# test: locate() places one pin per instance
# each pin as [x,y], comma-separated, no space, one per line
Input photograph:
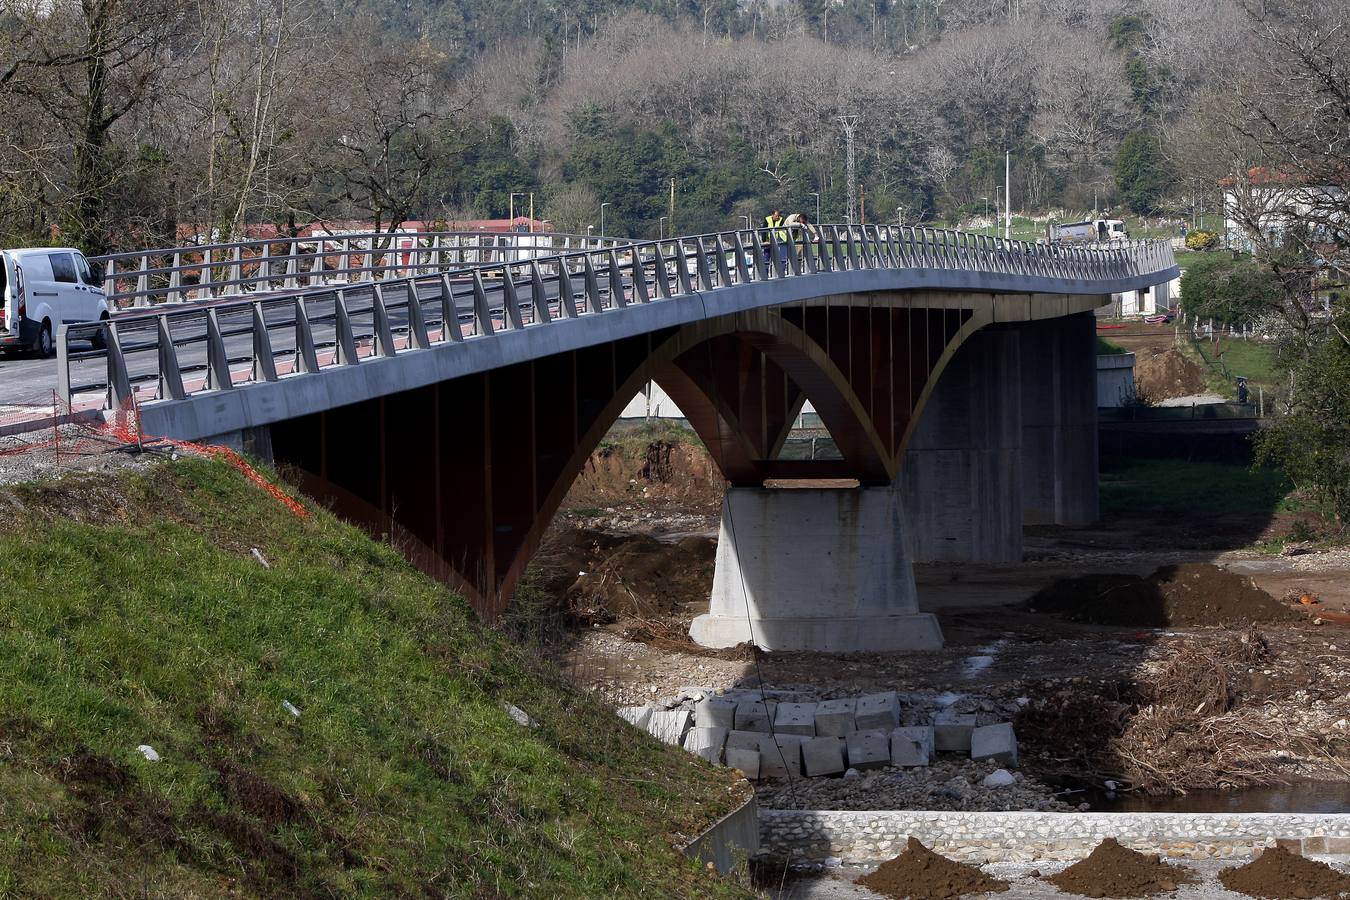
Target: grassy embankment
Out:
[1130,485]
[1235,357]
[132,612]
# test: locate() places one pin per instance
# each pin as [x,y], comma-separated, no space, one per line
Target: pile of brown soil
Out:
[1161,375]
[1190,594]
[1115,871]
[662,471]
[601,577]
[1279,874]
[921,874]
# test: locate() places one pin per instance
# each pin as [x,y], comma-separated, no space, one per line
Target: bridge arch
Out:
[465,476]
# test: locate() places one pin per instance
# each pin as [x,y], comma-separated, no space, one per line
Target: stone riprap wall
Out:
[871,837]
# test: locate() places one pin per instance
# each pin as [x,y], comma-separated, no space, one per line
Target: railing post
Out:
[567,297]
[119,382]
[346,339]
[217,363]
[662,276]
[264,360]
[705,280]
[176,278]
[482,314]
[593,303]
[170,375]
[236,268]
[417,336]
[742,270]
[639,276]
[450,330]
[616,294]
[510,300]
[384,335]
[538,294]
[143,283]
[723,270]
[306,355]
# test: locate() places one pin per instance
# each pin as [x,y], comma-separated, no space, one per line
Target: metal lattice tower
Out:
[850,124]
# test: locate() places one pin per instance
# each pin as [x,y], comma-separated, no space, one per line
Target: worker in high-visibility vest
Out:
[774,221]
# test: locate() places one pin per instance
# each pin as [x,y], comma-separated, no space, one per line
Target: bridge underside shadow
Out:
[466,475]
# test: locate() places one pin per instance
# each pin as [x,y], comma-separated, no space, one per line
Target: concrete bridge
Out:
[452,412]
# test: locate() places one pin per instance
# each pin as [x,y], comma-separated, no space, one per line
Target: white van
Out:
[40,290]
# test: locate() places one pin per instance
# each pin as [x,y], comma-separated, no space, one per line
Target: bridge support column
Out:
[1059,421]
[961,474]
[823,569]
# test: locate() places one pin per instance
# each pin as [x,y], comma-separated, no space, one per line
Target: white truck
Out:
[1088,231]
[43,288]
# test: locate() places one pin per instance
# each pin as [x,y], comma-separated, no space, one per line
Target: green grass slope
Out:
[132,612]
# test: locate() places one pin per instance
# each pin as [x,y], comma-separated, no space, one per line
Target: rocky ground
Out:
[1091,701]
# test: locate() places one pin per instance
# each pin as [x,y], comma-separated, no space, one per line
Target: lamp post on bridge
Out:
[746,220]
[816,194]
[986,207]
[602,218]
[661,228]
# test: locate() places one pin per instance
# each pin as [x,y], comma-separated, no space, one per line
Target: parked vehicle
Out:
[1089,231]
[43,288]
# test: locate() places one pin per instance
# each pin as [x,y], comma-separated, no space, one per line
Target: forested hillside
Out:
[127,118]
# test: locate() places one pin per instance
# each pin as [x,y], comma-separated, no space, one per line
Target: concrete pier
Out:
[1059,421]
[961,475]
[824,569]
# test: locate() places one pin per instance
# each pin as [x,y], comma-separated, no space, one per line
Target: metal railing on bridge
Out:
[206,271]
[174,352]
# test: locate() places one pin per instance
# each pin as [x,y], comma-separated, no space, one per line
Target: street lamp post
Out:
[816,194]
[661,228]
[986,207]
[746,220]
[602,218]
[998,204]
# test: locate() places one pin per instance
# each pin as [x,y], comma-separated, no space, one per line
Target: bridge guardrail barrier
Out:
[177,274]
[151,356]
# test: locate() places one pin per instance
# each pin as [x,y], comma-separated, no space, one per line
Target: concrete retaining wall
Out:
[870,837]
[730,841]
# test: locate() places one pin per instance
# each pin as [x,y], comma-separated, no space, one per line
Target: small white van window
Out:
[86,273]
[63,268]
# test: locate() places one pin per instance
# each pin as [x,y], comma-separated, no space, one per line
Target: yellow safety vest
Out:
[776,222]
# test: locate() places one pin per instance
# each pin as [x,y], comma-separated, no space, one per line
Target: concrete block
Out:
[823,756]
[951,731]
[745,740]
[706,742]
[781,760]
[912,745]
[745,760]
[877,712]
[715,712]
[795,718]
[754,715]
[996,742]
[835,717]
[869,749]
[669,726]
[637,716]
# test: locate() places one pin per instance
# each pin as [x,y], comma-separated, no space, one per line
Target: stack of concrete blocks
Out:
[771,739]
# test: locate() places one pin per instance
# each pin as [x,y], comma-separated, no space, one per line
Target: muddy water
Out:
[1297,797]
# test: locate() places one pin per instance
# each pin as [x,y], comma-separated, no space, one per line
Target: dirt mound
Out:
[921,874]
[661,471]
[600,577]
[1279,874]
[1162,375]
[1115,871]
[1190,594]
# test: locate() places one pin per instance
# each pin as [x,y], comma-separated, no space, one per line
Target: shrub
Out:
[1202,240]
